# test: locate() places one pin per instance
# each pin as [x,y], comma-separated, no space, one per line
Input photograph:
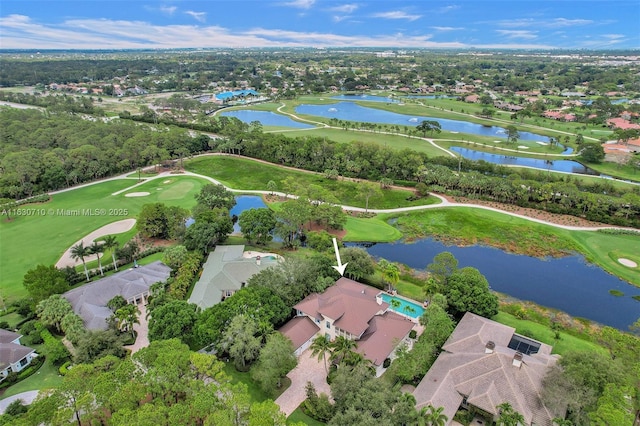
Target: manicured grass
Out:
[374,229]
[255,393]
[12,319]
[397,142]
[605,249]
[544,334]
[299,417]
[255,175]
[46,377]
[41,239]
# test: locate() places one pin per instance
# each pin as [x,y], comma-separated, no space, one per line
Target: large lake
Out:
[245,202]
[569,284]
[351,111]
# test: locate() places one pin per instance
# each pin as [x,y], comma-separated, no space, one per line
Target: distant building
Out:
[13,356]
[90,300]
[482,365]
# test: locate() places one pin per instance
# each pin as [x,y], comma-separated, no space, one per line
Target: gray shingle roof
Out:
[7,336]
[11,353]
[90,300]
[225,269]
[486,379]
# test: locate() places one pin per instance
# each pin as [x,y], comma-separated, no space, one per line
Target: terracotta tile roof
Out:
[299,330]
[348,303]
[486,378]
[383,335]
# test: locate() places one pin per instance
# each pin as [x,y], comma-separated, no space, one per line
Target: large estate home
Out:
[13,356]
[484,364]
[355,311]
[226,271]
[90,300]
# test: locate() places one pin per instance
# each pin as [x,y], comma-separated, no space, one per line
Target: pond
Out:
[351,111]
[245,202]
[569,284]
[267,118]
[567,166]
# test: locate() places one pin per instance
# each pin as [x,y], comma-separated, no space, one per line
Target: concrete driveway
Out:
[309,369]
[26,397]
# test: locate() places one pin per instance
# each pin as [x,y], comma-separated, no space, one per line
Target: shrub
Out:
[412,335]
[64,368]
[387,362]
[5,325]
[54,348]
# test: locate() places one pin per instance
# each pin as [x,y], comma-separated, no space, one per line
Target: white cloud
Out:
[300,4]
[345,8]
[524,34]
[21,32]
[168,10]
[396,14]
[544,23]
[447,9]
[198,16]
[447,28]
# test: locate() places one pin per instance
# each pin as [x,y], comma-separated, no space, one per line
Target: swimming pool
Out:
[403,306]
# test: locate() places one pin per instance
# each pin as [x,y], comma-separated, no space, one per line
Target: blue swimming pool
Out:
[405,307]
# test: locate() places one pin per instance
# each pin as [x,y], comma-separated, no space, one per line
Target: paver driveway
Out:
[309,369]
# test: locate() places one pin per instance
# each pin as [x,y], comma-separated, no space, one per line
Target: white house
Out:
[13,356]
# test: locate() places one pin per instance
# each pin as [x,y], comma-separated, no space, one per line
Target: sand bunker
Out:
[136,194]
[167,181]
[523,147]
[113,228]
[628,262]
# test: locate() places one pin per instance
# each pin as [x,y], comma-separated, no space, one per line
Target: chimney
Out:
[489,347]
[517,359]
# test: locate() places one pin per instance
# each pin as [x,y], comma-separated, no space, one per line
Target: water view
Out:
[245,202]
[568,166]
[353,112]
[569,284]
[267,118]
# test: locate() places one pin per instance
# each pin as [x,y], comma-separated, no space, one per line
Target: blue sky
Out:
[119,24]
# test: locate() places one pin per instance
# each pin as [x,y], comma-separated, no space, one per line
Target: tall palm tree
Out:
[342,348]
[97,249]
[509,416]
[127,316]
[79,251]
[319,348]
[390,273]
[431,416]
[110,243]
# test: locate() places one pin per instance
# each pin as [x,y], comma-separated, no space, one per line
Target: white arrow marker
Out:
[340,267]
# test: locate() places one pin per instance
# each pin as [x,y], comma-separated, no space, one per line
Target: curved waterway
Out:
[351,111]
[569,284]
[567,166]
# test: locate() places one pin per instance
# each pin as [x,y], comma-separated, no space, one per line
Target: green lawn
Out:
[544,334]
[255,176]
[299,417]
[30,240]
[374,229]
[46,377]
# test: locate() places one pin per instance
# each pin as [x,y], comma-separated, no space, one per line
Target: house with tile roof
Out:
[227,270]
[90,300]
[13,356]
[352,310]
[482,365]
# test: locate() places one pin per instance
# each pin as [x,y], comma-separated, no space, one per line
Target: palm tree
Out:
[97,249]
[342,348]
[319,348]
[431,416]
[110,243]
[390,273]
[559,421]
[79,251]
[508,416]
[127,316]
